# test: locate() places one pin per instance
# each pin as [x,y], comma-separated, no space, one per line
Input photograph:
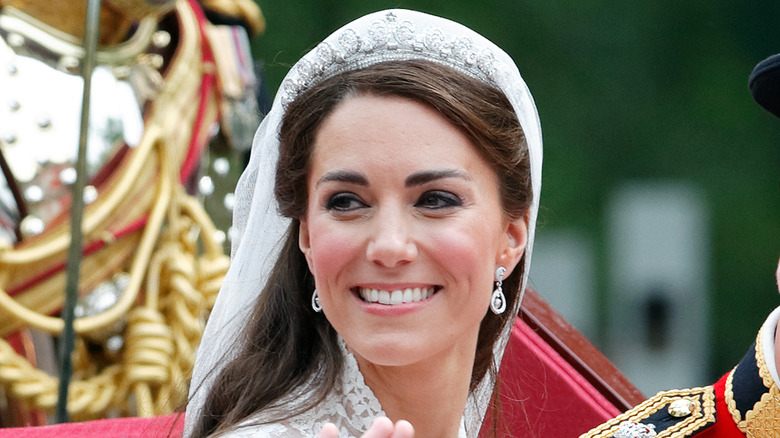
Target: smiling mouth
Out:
[399,296]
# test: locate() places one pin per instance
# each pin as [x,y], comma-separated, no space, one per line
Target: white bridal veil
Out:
[258,227]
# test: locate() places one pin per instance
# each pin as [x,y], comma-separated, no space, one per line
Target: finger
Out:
[329,430]
[381,427]
[403,429]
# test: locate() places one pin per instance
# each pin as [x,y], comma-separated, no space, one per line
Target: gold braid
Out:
[175,264]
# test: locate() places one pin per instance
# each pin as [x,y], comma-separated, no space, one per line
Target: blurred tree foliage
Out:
[626,90]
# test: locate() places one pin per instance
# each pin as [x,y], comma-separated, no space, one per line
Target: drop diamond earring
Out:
[315,302]
[498,300]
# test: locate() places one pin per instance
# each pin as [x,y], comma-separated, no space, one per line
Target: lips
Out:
[398,296]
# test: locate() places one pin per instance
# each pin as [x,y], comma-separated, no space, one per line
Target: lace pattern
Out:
[351,406]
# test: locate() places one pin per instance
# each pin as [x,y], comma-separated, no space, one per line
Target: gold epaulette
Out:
[669,414]
[246,10]
[752,396]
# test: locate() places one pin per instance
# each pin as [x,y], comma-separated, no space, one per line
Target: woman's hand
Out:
[382,427]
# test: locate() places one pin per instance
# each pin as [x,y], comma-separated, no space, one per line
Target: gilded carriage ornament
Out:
[153,260]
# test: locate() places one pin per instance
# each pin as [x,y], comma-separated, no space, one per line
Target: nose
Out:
[391,244]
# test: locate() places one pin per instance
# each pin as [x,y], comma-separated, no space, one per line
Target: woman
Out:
[409,168]
[471,215]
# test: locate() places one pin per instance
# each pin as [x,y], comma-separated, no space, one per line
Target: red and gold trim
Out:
[659,411]
[751,396]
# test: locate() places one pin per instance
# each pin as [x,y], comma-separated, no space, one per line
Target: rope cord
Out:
[175,270]
[160,337]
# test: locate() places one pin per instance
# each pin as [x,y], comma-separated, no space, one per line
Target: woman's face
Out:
[404,231]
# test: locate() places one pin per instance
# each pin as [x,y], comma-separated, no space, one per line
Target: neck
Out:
[430,394]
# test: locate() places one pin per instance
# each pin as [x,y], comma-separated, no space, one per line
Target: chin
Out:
[389,353]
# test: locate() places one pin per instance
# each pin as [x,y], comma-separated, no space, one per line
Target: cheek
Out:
[469,249]
[332,248]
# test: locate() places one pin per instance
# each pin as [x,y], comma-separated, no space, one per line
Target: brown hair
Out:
[287,350]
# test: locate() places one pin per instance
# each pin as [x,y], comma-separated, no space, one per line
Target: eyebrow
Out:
[420,178]
[343,176]
[416,179]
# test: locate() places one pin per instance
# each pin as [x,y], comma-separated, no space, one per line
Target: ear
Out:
[303,241]
[777,274]
[516,239]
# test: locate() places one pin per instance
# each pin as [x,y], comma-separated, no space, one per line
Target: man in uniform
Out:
[746,401]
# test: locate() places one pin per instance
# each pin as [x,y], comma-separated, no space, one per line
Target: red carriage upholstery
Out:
[554,383]
[163,426]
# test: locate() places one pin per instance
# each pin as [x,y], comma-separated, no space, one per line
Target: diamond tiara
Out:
[387,39]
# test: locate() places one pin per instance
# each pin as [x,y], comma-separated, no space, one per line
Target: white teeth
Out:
[399,296]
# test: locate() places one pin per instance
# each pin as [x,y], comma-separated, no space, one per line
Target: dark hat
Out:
[764,84]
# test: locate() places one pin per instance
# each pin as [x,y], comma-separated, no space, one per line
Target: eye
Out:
[436,200]
[345,201]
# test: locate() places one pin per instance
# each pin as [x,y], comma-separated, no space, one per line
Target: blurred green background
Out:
[626,90]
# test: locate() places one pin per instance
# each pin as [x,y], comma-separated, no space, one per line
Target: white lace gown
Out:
[351,406]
